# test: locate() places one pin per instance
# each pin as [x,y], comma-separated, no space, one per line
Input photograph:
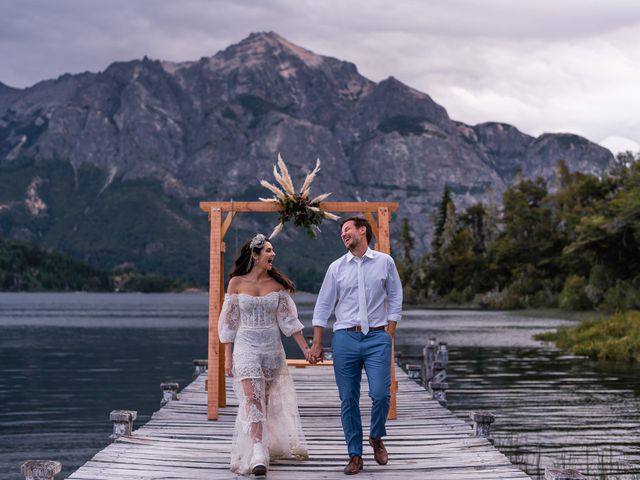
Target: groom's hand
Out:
[391,328]
[316,353]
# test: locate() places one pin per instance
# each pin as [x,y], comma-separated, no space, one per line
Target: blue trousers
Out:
[351,352]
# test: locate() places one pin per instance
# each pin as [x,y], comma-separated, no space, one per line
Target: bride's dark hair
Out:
[244,263]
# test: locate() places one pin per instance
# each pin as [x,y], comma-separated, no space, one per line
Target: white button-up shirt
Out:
[382,286]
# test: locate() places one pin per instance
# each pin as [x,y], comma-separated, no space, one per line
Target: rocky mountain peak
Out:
[265,48]
[392,98]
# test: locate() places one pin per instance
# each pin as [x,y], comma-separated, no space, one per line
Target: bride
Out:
[256,307]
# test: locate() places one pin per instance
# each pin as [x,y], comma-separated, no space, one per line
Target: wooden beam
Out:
[383,242]
[227,223]
[342,207]
[215,257]
[222,390]
[372,221]
[302,363]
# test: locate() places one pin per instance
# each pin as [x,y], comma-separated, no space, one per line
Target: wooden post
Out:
[428,361]
[222,385]
[383,244]
[169,392]
[201,365]
[122,422]
[40,469]
[482,424]
[214,313]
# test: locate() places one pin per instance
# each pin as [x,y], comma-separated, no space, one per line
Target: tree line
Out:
[574,245]
[25,267]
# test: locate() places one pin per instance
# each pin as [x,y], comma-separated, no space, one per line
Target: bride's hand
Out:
[307,355]
[228,367]
[316,353]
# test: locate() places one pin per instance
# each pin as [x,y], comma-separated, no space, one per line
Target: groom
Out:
[364,287]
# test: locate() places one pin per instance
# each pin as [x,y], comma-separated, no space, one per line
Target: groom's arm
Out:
[325,304]
[316,347]
[394,297]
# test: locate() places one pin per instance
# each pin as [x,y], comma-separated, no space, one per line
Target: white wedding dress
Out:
[267,405]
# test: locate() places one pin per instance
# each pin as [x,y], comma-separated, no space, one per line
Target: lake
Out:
[67,360]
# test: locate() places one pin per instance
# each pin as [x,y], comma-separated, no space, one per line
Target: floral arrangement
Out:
[304,211]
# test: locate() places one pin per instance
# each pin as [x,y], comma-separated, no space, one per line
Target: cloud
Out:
[542,66]
[620,144]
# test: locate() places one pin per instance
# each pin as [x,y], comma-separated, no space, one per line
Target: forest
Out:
[574,245]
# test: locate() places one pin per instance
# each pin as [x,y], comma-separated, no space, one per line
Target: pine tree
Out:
[441,219]
[450,227]
[406,241]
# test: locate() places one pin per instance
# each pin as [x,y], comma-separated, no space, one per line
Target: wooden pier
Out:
[426,441]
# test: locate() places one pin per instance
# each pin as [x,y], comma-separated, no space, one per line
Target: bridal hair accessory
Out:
[256,242]
[304,211]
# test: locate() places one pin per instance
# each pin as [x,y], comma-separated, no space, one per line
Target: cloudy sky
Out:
[542,65]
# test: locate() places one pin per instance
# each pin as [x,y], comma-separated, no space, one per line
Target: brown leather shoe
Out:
[379,452]
[354,466]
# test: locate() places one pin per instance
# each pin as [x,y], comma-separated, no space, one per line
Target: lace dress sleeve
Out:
[287,315]
[229,320]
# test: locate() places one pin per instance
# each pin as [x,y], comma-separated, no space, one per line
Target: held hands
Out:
[315,353]
[308,356]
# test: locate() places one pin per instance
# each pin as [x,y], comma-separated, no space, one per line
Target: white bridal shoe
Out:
[259,460]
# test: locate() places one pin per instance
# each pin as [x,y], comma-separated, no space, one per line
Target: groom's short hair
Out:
[360,222]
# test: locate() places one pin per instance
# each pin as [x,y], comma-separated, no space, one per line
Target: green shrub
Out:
[599,281]
[622,296]
[459,297]
[615,338]
[574,295]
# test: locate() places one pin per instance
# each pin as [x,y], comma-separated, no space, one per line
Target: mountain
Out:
[171,134]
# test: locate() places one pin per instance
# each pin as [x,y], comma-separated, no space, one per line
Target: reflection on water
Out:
[552,408]
[67,360]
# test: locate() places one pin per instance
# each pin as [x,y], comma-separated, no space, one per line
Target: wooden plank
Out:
[215,257]
[301,363]
[343,207]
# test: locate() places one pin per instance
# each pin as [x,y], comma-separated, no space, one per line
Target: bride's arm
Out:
[299,338]
[228,324]
[228,359]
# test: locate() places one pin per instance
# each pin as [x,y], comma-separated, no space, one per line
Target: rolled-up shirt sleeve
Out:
[394,292]
[326,300]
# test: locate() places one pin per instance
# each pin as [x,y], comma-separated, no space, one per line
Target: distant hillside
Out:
[25,267]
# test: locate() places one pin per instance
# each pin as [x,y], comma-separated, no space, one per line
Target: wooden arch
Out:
[216,392]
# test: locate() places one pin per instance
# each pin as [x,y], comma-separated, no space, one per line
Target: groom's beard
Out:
[352,244]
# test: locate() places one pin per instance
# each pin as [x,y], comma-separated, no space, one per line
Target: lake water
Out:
[67,360]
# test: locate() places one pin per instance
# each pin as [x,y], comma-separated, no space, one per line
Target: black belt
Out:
[358,328]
